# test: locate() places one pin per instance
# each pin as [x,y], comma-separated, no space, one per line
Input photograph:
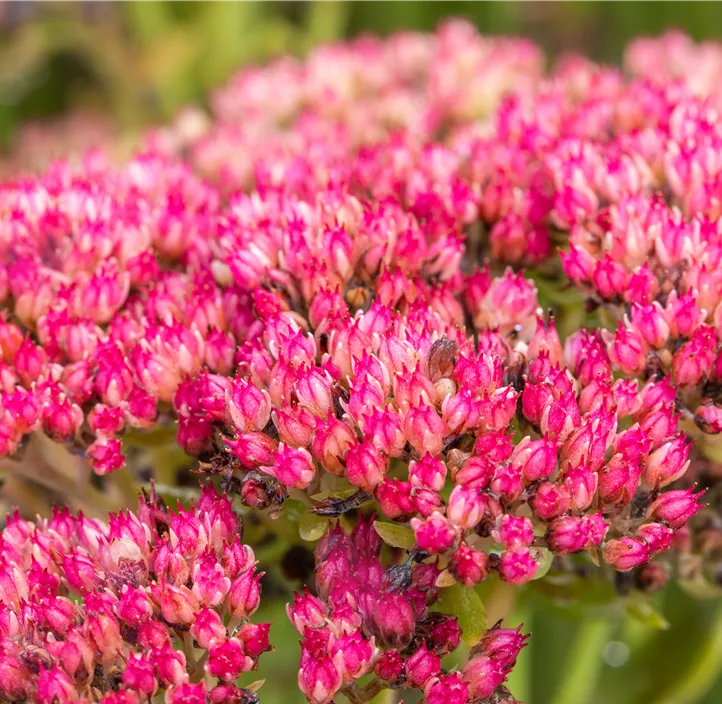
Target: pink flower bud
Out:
[177,604]
[466,507]
[389,666]
[313,390]
[628,351]
[421,667]
[253,450]
[184,693]
[424,430]
[582,484]
[331,443]
[618,482]
[435,534]
[306,611]
[244,594]
[513,531]
[693,361]
[254,637]
[393,617]
[248,407]
[537,459]
[506,483]
[54,686]
[567,535]
[226,659]
[470,567]
[460,413]
[394,498]
[675,508]
[295,426]
[625,554]
[170,666]
[650,322]
[293,467]
[105,456]
[320,677]
[708,418]
[428,472]
[207,626]
[667,463]
[483,675]
[139,676]
[657,536]
[517,566]
[357,654]
[447,689]
[365,466]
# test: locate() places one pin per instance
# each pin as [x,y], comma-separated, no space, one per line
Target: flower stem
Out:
[585,663]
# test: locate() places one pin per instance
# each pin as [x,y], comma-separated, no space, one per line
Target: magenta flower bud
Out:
[429,472]
[293,467]
[207,626]
[295,426]
[483,675]
[313,389]
[394,498]
[506,483]
[170,666]
[61,418]
[517,566]
[383,429]
[447,689]
[306,612]
[494,446]
[228,694]
[513,531]
[426,501]
[465,507]
[54,686]
[254,450]
[567,535]
[248,407]
[667,463]
[651,323]
[475,473]
[470,567]
[693,361]
[177,604]
[421,667]
[609,278]
[582,483]
[320,677]
[226,659]
[210,584]
[330,444]
[684,314]
[675,508]
[657,536]
[105,455]
[708,418]
[424,430]
[628,351]
[389,666]
[537,459]
[578,264]
[16,680]
[255,638]
[618,482]
[356,654]
[153,634]
[185,693]
[139,676]
[393,617]
[625,554]
[460,412]
[435,534]
[550,500]
[244,594]
[30,362]
[365,466]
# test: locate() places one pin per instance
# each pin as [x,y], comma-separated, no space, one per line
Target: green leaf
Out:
[467,606]
[546,563]
[395,535]
[643,610]
[312,527]
[700,588]
[255,686]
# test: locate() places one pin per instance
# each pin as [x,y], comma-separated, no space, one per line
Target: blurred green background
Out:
[77,74]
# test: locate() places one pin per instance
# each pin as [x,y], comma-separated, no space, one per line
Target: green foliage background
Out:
[137,63]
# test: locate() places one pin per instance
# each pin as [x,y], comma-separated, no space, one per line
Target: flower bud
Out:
[365,466]
[244,594]
[226,659]
[550,500]
[389,666]
[428,472]
[207,626]
[293,467]
[356,655]
[513,531]
[434,534]
[466,507]
[625,554]
[470,567]
[424,430]
[483,675]
[675,508]
[667,463]
[517,566]
[447,689]
[421,667]
[320,677]
[393,617]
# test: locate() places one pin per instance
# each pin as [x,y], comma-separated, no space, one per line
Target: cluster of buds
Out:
[367,619]
[153,602]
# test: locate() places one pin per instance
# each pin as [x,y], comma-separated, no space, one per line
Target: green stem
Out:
[585,663]
[692,683]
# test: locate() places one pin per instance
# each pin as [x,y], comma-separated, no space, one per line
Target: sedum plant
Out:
[318,289]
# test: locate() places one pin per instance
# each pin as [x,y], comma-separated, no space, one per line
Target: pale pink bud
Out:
[537,459]
[306,611]
[582,483]
[667,463]
[394,498]
[424,430]
[465,507]
[139,676]
[244,595]
[628,351]
[331,443]
[177,604]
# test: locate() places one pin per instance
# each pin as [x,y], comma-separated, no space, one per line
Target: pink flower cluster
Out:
[157,601]
[370,619]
